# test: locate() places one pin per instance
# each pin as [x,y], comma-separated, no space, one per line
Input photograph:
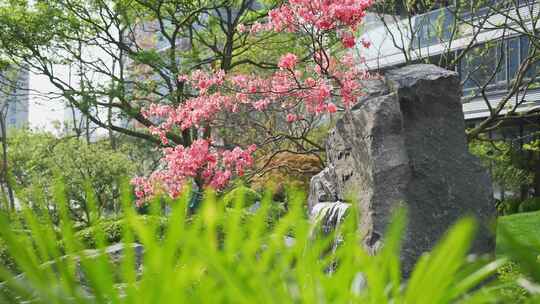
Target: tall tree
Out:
[128,54]
[9,80]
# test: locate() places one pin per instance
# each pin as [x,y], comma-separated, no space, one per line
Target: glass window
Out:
[433,27]
[523,2]
[524,54]
[524,42]
[480,64]
[476,8]
[513,57]
[500,63]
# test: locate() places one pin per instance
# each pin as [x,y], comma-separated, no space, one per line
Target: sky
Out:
[43,112]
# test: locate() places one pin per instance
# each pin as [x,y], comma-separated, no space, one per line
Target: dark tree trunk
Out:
[536,173]
[5,173]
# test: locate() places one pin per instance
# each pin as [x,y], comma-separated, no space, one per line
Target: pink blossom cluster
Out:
[194,111]
[343,16]
[217,92]
[316,90]
[288,61]
[203,81]
[288,87]
[199,159]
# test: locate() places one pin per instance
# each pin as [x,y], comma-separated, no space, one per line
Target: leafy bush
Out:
[530,205]
[6,260]
[249,196]
[520,278]
[508,206]
[523,227]
[220,256]
[113,230]
[504,164]
[508,275]
[513,205]
[38,158]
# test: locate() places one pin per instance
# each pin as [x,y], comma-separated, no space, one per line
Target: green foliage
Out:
[247,195]
[508,275]
[532,146]
[530,205]
[508,206]
[218,257]
[522,229]
[6,260]
[38,158]
[501,159]
[113,230]
[524,251]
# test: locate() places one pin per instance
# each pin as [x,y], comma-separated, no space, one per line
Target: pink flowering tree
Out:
[325,81]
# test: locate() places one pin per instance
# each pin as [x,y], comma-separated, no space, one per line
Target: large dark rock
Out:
[405,143]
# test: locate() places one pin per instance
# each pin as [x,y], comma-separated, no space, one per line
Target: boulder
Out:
[405,144]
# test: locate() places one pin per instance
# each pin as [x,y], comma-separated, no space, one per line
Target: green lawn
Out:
[524,226]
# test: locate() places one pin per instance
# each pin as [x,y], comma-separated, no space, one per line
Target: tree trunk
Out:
[536,173]
[112,138]
[5,172]
[87,128]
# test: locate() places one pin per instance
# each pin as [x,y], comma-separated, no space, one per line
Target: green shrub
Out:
[504,162]
[520,278]
[530,205]
[508,206]
[6,260]
[113,230]
[247,195]
[38,158]
[508,275]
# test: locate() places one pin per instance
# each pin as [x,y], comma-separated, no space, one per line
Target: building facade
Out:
[14,98]
[490,64]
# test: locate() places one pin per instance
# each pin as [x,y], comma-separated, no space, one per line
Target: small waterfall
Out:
[329,214]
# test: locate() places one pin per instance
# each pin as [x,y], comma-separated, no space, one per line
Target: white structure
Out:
[431,38]
[14,100]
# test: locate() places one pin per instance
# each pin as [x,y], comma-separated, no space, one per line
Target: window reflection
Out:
[502,59]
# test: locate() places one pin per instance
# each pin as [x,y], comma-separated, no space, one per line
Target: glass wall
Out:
[495,65]
[433,27]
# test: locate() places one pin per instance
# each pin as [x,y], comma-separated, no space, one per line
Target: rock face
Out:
[405,144]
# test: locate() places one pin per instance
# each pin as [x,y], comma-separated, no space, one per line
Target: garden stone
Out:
[406,145]
[115,253]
